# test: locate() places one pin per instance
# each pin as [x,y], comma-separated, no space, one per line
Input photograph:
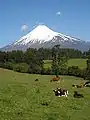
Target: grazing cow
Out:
[57,93]
[61,92]
[55,79]
[36,80]
[87,83]
[78,86]
[77,95]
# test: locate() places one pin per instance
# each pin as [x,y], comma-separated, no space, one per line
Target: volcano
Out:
[42,36]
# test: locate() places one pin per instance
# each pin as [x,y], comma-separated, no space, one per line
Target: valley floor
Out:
[22,98]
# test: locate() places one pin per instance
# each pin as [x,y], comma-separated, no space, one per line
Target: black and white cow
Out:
[61,92]
[87,84]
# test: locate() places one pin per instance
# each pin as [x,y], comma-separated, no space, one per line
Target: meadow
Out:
[23,98]
[81,63]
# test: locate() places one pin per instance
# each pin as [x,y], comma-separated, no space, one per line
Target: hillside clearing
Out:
[81,63]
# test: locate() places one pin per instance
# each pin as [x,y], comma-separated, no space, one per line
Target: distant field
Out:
[47,63]
[79,62]
[21,98]
[76,62]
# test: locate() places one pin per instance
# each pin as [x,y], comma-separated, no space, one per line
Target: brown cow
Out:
[78,86]
[55,79]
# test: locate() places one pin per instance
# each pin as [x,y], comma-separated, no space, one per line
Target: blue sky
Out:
[70,17]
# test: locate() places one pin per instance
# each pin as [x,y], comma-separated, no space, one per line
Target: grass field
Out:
[72,62]
[47,63]
[21,98]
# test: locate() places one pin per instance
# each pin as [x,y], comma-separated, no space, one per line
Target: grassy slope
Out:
[21,98]
[47,63]
[79,62]
[76,62]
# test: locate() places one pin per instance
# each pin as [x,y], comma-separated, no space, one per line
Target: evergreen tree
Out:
[88,69]
[59,61]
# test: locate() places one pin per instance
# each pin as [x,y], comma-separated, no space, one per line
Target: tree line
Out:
[32,61]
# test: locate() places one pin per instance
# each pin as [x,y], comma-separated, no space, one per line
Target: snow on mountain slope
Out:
[44,37]
[41,34]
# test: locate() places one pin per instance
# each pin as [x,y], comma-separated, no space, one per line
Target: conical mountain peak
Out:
[42,36]
[41,33]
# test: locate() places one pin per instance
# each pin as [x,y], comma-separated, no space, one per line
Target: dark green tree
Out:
[88,70]
[59,62]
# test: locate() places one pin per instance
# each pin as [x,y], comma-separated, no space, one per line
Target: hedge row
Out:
[25,68]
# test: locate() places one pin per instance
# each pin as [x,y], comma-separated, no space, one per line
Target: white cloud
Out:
[58,13]
[24,28]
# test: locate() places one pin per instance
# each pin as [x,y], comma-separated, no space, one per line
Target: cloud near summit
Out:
[24,28]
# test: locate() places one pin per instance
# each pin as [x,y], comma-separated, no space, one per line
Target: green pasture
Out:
[71,62]
[23,98]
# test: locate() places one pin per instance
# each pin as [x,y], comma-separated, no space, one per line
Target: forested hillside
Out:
[32,61]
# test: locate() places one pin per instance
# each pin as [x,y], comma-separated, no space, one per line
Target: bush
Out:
[8,65]
[1,64]
[63,71]
[21,67]
[74,70]
[83,73]
[46,71]
[34,69]
[87,75]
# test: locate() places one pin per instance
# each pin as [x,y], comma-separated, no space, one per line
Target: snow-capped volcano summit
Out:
[42,36]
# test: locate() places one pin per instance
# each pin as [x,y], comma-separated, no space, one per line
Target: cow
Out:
[61,92]
[78,86]
[55,79]
[57,93]
[87,84]
[77,95]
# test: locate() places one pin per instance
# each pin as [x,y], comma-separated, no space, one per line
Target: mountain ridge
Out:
[42,36]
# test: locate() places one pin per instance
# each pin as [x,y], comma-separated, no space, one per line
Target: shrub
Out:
[63,71]
[74,70]
[21,67]
[8,65]
[1,64]
[34,69]
[83,73]
[46,71]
